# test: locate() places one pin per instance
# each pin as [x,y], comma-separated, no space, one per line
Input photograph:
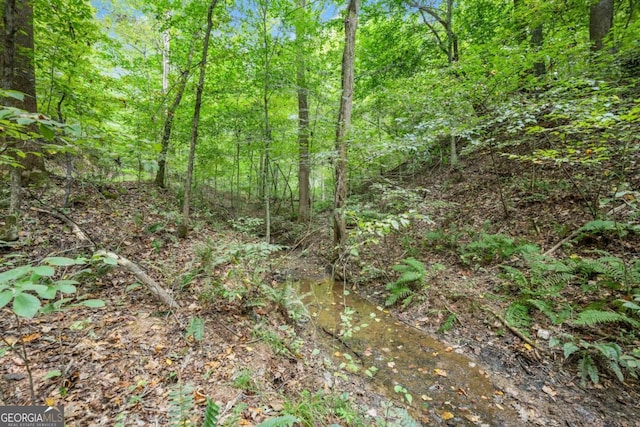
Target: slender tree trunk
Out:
[600,22]
[304,197]
[342,131]
[537,38]
[266,185]
[168,123]
[18,73]
[183,229]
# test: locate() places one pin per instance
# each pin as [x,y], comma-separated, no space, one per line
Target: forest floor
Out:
[134,362]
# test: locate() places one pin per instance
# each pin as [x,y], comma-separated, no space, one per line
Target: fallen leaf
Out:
[446,415]
[440,372]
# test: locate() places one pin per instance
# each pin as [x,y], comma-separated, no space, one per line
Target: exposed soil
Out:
[126,361]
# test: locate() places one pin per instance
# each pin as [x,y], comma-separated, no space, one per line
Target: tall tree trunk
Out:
[304,197]
[183,229]
[18,73]
[342,130]
[266,169]
[168,123]
[600,22]
[537,38]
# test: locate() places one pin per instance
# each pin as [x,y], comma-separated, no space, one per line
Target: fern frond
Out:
[416,265]
[211,414]
[181,404]
[594,317]
[517,315]
[410,277]
[587,369]
[398,292]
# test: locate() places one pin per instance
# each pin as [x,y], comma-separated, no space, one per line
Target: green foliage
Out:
[244,380]
[211,414]
[281,421]
[196,328]
[413,274]
[594,356]
[181,405]
[311,407]
[28,286]
[448,323]
[595,317]
[517,315]
[494,248]
[607,228]
[285,298]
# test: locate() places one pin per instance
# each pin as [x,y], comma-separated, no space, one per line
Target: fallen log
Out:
[158,291]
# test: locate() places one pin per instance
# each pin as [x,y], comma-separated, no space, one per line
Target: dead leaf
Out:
[440,372]
[446,415]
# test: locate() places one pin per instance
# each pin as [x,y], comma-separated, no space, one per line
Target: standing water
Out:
[444,387]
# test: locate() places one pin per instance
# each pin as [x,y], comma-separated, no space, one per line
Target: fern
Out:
[399,292]
[517,315]
[413,274]
[211,414]
[556,317]
[181,405]
[587,369]
[196,328]
[594,317]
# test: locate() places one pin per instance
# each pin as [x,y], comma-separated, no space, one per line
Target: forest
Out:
[319,213]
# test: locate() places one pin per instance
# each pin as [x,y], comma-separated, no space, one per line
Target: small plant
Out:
[347,328]
[211,414]
[331,408]
[181,405]
[607,354]
[196,329]
[494,248]
[244,381]
[403,391]
[413,275]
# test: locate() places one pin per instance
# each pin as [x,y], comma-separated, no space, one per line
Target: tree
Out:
[343,128]
[600,22]
[168,120]
[304,197]
[184,227]
[18,74]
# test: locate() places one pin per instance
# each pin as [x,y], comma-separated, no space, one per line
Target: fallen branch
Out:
[157,290]
[513,330]
[143,277]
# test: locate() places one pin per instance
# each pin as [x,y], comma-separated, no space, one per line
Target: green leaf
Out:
[59,261]
[569,348]
[47,132]
[93,303]
[53,374]
[66,286]
[283,421]
[5,297]
[14,274]
[44,270]
[13,94]
[109,260]
[25,305]
[24,121]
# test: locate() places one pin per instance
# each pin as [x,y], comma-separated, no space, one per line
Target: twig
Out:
[513,330]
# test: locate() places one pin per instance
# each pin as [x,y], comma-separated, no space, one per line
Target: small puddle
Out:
[446,387]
